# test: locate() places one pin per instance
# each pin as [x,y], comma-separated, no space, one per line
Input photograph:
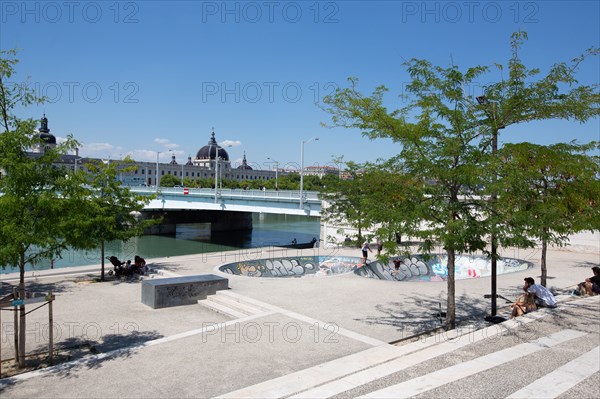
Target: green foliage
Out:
[45,208]
[547,193]
[438,187]
[12,94]
[170,181]
[36,199]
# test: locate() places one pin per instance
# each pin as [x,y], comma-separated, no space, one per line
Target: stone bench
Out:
[177,291]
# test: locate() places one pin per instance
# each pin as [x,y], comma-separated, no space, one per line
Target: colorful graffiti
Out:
[293,266]
[434,268]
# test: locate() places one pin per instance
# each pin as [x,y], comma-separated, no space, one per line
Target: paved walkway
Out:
[311,337]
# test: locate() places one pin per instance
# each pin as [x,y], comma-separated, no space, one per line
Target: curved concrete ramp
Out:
[293,266]
[434,268]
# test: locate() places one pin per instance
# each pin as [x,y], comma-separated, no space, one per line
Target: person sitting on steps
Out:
[524,304]
[543,296]
[591,285]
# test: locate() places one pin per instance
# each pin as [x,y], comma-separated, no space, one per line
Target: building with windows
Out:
[211,160]
[321,171]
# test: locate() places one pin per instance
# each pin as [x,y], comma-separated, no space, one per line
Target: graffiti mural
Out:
[293,266]
[435,268]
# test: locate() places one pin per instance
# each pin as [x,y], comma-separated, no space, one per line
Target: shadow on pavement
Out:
[79,354]
[417,315]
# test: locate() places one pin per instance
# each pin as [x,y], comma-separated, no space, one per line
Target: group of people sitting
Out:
[127,268]
[537,295]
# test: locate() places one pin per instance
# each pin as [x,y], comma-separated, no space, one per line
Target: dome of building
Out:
[244,165]
[45,134]
[212,150]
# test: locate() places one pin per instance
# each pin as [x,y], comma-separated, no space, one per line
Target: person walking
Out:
[365,248]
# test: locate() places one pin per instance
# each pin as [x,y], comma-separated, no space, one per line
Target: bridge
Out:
[234,200]
[224,209]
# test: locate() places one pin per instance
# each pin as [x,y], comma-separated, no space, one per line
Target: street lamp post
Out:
[302,168]
[483,100]
[216,177]
[157,176]
[276,176]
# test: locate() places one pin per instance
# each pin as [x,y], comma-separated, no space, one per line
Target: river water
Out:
[195,238]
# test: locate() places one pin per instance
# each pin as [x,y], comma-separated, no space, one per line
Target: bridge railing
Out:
[286,195]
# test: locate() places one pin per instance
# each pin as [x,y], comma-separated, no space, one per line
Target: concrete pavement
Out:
[310,336]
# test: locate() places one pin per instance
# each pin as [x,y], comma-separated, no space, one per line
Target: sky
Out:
[145,77]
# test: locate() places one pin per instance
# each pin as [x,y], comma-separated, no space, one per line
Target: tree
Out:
[112,210]
[347,200]
[548,193]
[169,181]
[448,142]
[523,97]
[45,208]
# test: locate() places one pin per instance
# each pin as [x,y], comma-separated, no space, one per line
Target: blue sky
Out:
[137,77]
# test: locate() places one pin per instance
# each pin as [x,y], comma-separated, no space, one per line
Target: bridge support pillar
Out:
[227,221]
[219,220]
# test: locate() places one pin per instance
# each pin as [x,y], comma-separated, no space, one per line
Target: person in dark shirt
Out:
[591,285]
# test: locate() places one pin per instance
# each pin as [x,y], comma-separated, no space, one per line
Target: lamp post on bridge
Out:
[157,176]
[216,176]
[302,168]
[276,170]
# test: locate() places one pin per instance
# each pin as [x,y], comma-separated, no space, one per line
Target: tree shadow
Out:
[417,315]
[78,353]
[587,264]
[167,266]
[36,286]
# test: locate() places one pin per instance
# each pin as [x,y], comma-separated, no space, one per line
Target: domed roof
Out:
[45,134]
[244,165]
[212,150]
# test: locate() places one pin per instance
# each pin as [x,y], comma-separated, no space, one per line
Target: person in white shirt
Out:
[543,296]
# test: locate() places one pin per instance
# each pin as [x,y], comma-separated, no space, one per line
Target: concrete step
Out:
[343,374]
[221,308]
[264,307]
[234,304]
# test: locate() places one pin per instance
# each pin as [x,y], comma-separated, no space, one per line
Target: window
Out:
[162,172]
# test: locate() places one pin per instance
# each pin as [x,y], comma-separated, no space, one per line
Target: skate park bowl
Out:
[435,267]
[298,266]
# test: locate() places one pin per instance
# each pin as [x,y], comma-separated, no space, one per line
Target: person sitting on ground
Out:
[591,285]
[524,304]
[140,264]
[543,296]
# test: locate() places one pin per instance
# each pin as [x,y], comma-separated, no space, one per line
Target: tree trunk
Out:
[451,308]
[544,269]
[22,324]
[102,262]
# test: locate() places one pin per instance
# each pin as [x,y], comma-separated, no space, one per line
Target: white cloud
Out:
[99,150]
[161,141]
[230,143]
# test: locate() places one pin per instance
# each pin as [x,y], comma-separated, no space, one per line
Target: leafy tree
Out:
[112,210]
[549,193]
[46,209]
[448,143]
[524,97]
[169,181]
[347,201]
